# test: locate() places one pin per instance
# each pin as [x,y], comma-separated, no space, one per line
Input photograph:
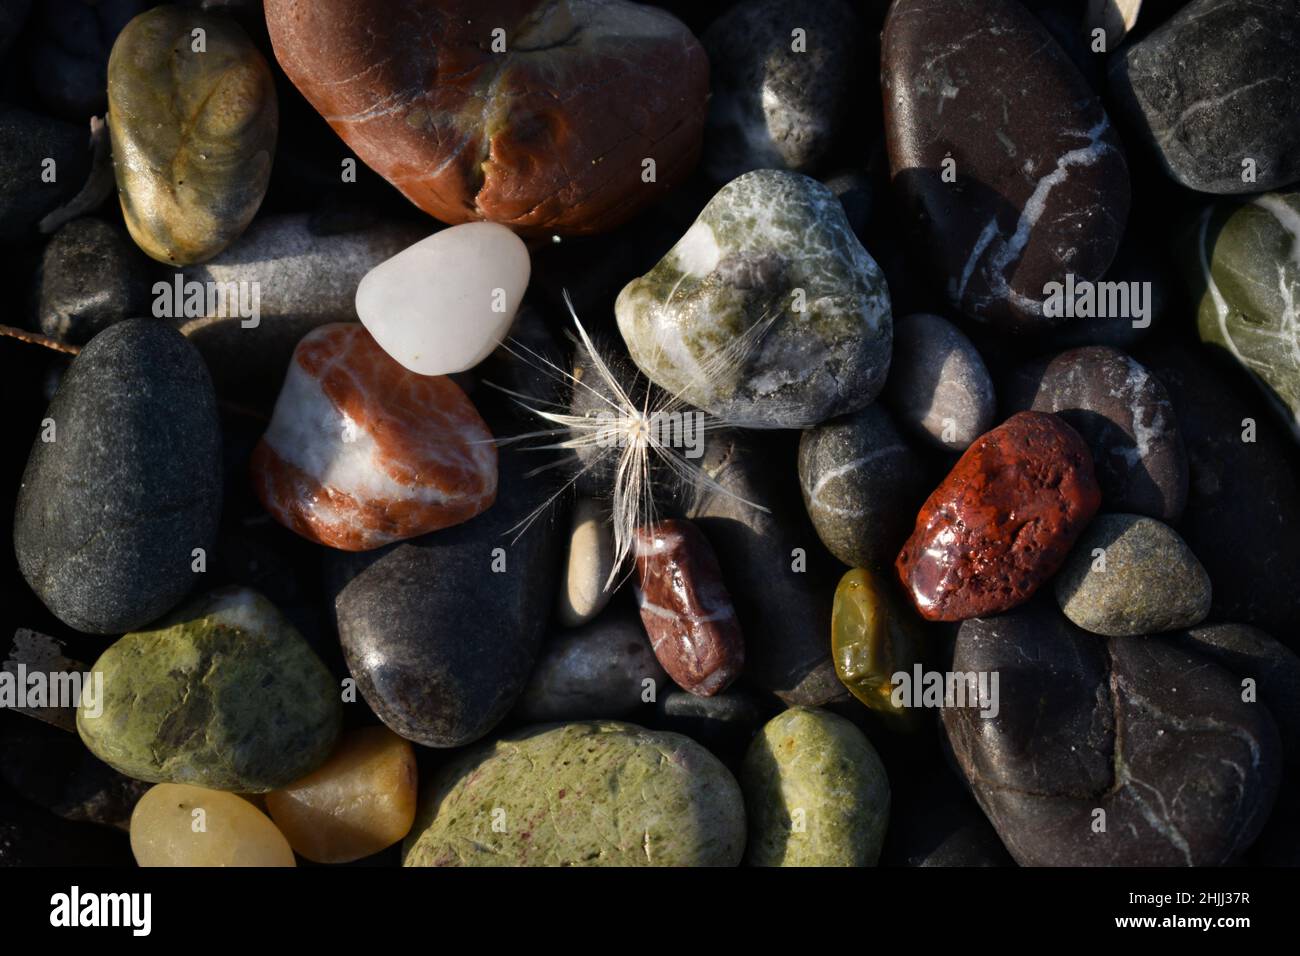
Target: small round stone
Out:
[177,824]
[445,303]
[816,793]
[939,388]
[1130,575]
[357,803]
[583,590]
[91,276]
[873,637]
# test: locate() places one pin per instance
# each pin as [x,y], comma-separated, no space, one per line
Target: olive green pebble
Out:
[816,793]
[224,694]
[192,117]
[592,793]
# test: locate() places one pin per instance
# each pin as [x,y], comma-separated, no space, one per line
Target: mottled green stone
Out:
[193,131]
[223,694]
[768,311]
[1245,268]
[816,793]
[594,793]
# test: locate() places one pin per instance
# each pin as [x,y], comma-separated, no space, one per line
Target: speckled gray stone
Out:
[597,670]
[816,793]
[862,485]
[939,388]
[1217,83]
[767,312]
[1123,413]
[598,793]
[772,106]
[91,276]
[110,511]
[1146,580]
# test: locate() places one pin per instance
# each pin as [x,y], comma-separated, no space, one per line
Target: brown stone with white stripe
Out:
[686,609]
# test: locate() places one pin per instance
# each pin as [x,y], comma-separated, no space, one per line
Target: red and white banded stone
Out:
[361,452]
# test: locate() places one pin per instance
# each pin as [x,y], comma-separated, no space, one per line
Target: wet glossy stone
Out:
[816,793]
[1040,185]
[598,670]
[1117,725]
[165,831]
[772,105]
[861,482]
[685,607]
[508,127]
[1217,84]
[874,636]
[1244,271]
[1130,575]
[767,312]
[441,632]
[224,694]
[939,388]
[1123,413]
[111,510]
[360,452]
[361,800]
[1002,521]
[547,791]
[193,131]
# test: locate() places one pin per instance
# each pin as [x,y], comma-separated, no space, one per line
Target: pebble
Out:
[767,312]
[685,607]
[224,694]
[1244,272]
[193,132]
[164,830]
[542,797]
[602,669]
[112,509]
[815,791]
[1123,414]
[1214,86]
[1038,185]
[441,632]
[91,276]
[585,588]
[1243,507]
[355,804]
[775,99]
[1130,575]
[1156,738]
[27,141]
[771,566]
[860,482]
[874,636]
[724,723]
[1251,653]
[445,303]
[361,452]
[939,388]
[1003,520]
[301,280]
[527,139]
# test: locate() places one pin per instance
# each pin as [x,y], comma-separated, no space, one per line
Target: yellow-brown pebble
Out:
[176,824]
[359,802]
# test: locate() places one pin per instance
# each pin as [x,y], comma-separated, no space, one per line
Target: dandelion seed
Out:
[632,440]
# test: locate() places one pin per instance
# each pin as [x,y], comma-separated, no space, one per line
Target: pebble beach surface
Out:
[739,433]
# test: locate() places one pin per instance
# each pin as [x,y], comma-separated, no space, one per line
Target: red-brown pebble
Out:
[686,609]
[1002,521]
